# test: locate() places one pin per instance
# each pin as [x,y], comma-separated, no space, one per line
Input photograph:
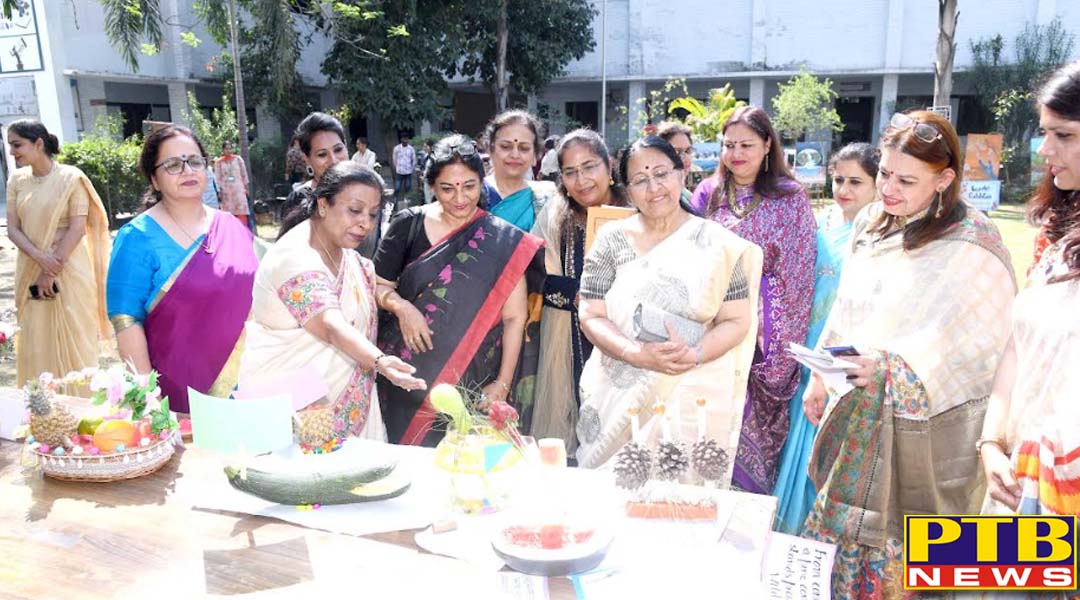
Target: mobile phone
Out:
[842,350]
[35,293]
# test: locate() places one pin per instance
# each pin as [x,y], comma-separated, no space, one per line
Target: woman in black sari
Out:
[454,282]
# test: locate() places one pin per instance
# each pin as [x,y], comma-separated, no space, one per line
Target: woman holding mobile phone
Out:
[58,223]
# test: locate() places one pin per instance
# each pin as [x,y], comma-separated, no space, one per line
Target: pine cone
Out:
[671,460]
[709,459]
[632,466]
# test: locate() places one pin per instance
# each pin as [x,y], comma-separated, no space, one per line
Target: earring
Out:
[940,206]
[766,163]
[322,212]
[310,171]
[611,182]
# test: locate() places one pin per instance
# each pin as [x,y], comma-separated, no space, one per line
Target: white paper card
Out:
[12,412]
[831,369]
[798,569]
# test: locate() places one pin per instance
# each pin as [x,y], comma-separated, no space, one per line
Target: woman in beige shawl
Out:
[57,221]
[314,303]
[925,298]
[669,262]
[584,181]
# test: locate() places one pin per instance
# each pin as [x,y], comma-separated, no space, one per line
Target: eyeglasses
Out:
[175,165]
[659,177]
[688,153]
[463,150]
[586,170]
[924,131]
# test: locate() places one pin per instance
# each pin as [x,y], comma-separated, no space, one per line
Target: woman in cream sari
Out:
[314,302]
[665,259]
[57,221]
[925,298]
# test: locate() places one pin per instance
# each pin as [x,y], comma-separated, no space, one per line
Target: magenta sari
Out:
[194,331]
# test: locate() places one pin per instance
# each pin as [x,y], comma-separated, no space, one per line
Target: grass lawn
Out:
[1018,235]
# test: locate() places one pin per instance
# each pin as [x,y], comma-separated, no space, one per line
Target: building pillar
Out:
[178,103]
[267,125]
[91,102]
[757,92]
[636,104]
[889,85]
[55,98]
[181,52]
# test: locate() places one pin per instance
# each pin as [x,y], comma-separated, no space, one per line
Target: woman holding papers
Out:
[1031,439]
[664,261]
[754,196]
[925,297]
[179,285]
[314,302]
[853,170]
[583,166]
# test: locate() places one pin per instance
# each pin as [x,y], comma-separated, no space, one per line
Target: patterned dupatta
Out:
[460,285]
[194,327]
[936,320]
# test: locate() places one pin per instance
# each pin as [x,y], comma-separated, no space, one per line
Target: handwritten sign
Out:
[798,569]
[983,195]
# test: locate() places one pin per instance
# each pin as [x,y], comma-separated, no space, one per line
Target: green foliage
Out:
[707,120]
[805,104]
[654,106]
[128,23]
[1005,86]
[110,163]
[213,130]
[267,165]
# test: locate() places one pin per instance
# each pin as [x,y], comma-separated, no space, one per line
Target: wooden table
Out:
[136,539]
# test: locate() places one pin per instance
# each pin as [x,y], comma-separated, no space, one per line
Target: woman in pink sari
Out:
[180,278]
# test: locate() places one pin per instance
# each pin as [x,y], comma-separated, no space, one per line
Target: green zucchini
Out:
[365,484]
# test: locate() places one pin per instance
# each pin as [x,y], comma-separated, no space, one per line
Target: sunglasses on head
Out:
[924,131]
[464,149]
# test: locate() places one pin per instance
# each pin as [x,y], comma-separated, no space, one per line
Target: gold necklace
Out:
[326,253]
[205,246]
[733,204]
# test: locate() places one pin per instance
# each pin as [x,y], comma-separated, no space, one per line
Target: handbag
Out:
[651,326]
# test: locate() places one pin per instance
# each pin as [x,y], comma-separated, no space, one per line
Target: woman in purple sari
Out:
[180,277]
[754,195]
[454,282]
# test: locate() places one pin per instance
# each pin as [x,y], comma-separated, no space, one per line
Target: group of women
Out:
[469,289]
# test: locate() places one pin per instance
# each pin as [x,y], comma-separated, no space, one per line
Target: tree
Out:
[111,164]
[805,104]
[540,39]
[946,51]
[1004,87]
[707,120]
[653,107]
[214,129]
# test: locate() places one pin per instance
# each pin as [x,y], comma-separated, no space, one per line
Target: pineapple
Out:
[50,422]
[315,427]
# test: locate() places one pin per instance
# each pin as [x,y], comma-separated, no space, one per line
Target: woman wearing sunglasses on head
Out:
[1030,439]
[583,168]
[925,299]
[57,221]
[180,278]
[754,195]
[453,282]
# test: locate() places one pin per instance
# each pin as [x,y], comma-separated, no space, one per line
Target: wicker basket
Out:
[128,464]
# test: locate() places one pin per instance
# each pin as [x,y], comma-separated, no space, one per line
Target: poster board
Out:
[707,156]
[810,160]
[598,215]
[982,156]
[983,195]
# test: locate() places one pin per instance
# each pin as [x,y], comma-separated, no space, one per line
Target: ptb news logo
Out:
[1013,552]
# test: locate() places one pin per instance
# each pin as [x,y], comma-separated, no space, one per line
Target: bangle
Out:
[505,386]
[375,364]
[381,299]
[984,441]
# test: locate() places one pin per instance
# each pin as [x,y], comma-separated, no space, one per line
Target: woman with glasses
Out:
[179,287]
[853,170]
[322,141]
[681,139]
[513,140]
[924,303]
[1029,441]
[314,303]
[454,282]
[57,221]
[754,195]
[680,268]
[583,165]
